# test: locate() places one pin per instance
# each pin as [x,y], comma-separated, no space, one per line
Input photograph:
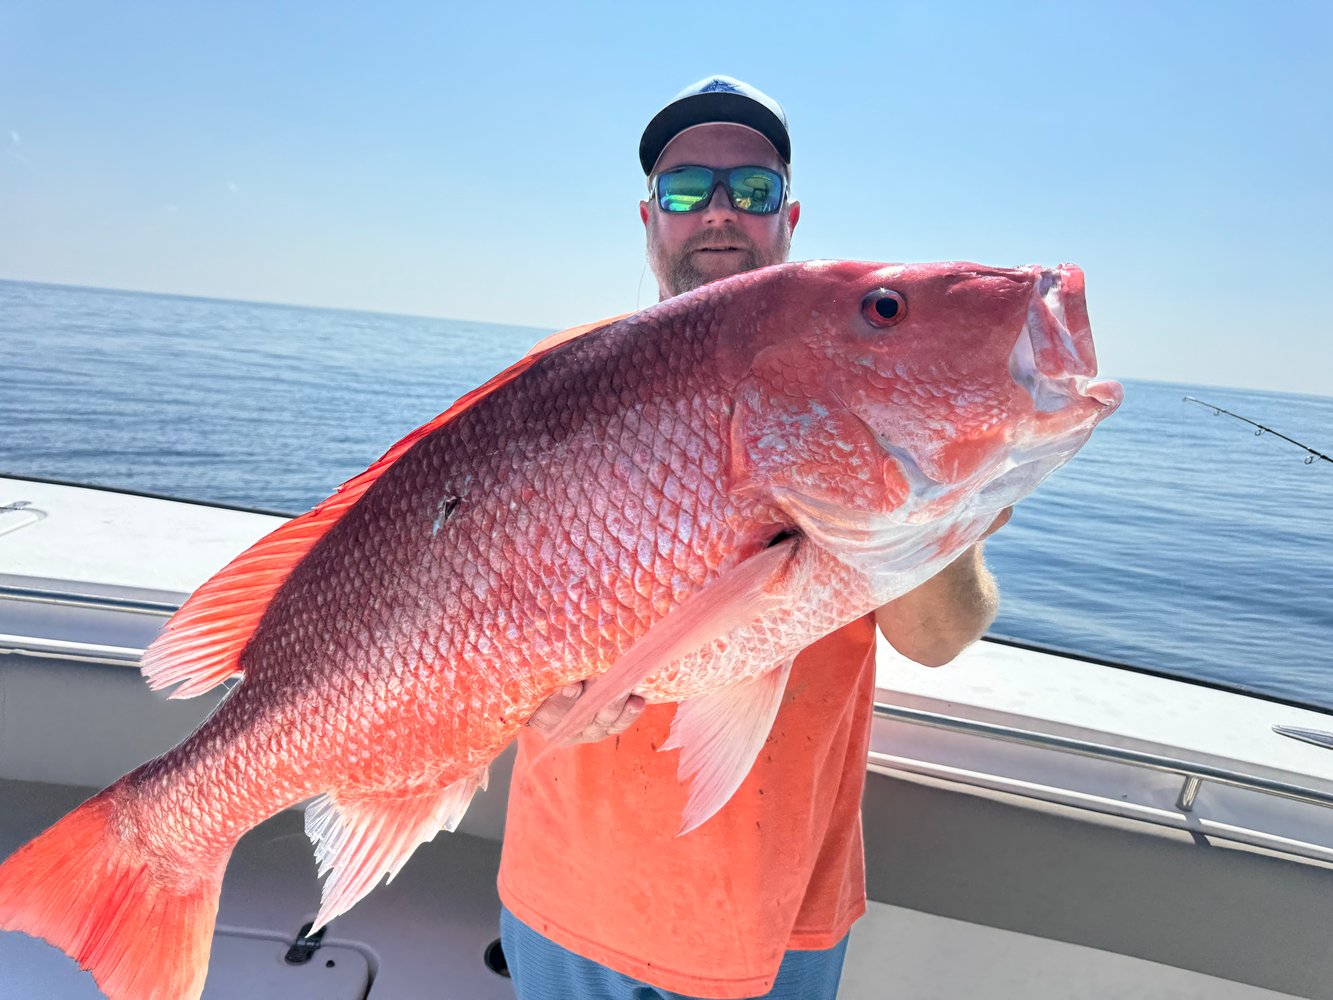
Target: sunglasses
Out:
[756,190]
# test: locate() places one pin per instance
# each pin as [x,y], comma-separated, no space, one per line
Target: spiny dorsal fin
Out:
[201,645]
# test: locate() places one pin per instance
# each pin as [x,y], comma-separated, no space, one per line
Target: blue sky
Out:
[481,164]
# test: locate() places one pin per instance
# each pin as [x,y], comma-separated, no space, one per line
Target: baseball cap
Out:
[715,99]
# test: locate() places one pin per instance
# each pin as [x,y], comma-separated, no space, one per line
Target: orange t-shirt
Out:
[592,861]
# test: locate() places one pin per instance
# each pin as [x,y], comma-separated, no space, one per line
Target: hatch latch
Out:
[304,947]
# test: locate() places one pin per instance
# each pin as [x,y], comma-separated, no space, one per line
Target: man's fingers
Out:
[611,720]
[555,708]
[607,716]
[631,709]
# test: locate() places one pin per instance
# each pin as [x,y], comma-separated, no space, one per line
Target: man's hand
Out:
[612,720]
[947,613]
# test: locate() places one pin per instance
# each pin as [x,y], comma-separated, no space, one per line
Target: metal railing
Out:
[1192,773]
[17,635]
[94,602]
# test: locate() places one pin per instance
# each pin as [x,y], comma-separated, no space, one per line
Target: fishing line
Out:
[1309,459]
[638,292]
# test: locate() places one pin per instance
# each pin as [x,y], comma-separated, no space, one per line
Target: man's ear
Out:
[793,214]
[643,213]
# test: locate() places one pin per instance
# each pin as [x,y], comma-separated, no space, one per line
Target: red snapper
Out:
[672,503]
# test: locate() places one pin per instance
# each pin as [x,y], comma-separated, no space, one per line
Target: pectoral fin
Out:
[739,596]
[719,737]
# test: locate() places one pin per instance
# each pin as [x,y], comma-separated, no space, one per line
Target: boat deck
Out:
[426,935]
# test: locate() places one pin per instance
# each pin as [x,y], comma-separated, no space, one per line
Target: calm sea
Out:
[1176,541]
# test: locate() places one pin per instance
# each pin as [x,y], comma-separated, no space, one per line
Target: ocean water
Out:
[1177,541]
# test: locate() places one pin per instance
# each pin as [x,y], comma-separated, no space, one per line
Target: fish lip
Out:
[1053,362]
[1108,392]
[1053,359]
[1057,323]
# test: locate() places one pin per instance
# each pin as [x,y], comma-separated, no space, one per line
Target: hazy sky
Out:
[481,163]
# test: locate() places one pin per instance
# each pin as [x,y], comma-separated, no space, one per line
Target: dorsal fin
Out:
[556,339]
[201,645]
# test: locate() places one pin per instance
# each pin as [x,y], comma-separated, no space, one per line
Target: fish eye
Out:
[883,307]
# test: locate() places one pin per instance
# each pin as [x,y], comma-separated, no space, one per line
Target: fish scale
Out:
[673,503]
[512,574]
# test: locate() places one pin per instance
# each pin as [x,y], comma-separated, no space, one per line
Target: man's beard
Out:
[682,272]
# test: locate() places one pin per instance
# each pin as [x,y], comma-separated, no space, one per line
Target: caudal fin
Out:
[81,888]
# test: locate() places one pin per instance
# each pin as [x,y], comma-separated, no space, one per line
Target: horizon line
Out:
[522,326]
[263,302]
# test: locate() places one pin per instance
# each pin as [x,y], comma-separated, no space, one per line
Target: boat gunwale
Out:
[996,638]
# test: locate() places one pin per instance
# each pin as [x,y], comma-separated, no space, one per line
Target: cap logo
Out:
[715,85]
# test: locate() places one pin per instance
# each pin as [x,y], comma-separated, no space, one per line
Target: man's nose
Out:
[719,204]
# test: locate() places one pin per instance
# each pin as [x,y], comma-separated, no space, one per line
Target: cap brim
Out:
[711,108]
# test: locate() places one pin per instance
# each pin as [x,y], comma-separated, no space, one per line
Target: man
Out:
[602,900]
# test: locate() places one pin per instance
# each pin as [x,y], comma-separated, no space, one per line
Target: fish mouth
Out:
[1053,359]
[1054,362]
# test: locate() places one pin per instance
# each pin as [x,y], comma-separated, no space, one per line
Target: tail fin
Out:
[80,887]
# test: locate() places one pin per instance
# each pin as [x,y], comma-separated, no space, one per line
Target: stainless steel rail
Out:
[1192,773]
[98,602]
[63,649]
[56,624]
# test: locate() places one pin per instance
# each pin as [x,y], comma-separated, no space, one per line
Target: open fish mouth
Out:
[1054,362]
[1053,358]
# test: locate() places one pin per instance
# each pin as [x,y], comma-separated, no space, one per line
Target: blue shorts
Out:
[542,970]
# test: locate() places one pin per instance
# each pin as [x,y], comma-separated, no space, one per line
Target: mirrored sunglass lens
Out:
[683,190]
[756,190]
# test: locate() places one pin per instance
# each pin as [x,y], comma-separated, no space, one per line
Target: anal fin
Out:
[719,737]
[358,840]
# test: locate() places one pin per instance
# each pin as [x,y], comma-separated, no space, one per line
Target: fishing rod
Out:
[1309,459]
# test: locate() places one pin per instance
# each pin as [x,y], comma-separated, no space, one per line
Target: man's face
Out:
[688,249]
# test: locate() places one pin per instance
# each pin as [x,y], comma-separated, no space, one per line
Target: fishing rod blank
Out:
[1309,459]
